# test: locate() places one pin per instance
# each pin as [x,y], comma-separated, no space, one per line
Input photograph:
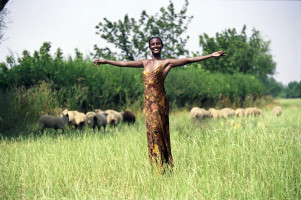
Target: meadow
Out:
[235,158]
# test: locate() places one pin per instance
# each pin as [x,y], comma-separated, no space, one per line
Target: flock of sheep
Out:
[200,113]
[100,118]
[92,119]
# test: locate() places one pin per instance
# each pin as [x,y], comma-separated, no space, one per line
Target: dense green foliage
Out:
[78,83]
[21,107]
[246,55]
[130,36]
[187,87]
[83,86]
[277,89]
[272,87]
[293,90]
[236,158]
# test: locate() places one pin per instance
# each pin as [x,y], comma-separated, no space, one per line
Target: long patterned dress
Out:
[156,116]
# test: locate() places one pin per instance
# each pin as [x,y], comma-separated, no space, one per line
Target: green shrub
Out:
[20,107]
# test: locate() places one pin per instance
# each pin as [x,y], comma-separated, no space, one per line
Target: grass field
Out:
[238,158]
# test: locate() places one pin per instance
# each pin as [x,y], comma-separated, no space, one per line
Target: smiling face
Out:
[155,45]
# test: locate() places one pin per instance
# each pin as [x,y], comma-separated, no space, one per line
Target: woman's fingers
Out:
[96,62]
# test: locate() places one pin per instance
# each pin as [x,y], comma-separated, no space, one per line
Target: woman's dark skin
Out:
[149,64]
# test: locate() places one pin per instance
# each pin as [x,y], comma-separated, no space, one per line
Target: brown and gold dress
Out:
[156,117]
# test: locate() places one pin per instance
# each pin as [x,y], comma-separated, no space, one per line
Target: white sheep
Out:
[194,112]
[117,114]
[79,120]
[50,121]
[112,119]
[76,118]
[240,112]
[253,111]
[215,113]
[99,111]
[227,112]
[89,118]
[199,113]
[257,111]
[71,115]
[277,111]
[249,111]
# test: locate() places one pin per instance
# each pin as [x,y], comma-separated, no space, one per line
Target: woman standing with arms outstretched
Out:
[155,99]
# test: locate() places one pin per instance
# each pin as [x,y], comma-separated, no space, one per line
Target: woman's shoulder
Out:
[145,61]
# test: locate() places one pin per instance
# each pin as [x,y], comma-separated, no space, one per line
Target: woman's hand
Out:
[218,54]
[99,62]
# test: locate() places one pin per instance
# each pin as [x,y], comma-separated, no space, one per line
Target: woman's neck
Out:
[156,57]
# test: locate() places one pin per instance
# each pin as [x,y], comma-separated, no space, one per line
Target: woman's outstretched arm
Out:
[185,61]
[137,64]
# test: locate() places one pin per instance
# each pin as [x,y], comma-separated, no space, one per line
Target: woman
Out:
[155,99]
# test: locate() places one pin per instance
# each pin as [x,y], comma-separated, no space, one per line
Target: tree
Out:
[131,37]
[272,87]
[246,55]
[293,89]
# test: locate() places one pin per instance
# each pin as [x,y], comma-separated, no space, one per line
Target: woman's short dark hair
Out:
[153,38]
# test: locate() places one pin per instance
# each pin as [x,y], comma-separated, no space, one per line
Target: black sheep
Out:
[99,120]
[129,117]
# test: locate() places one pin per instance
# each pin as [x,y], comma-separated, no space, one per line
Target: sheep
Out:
[200,113]
[112,119]
[128,117]
[253,111]
[239,112]
[71,115]
[50,121]
[249,111]
[99,120]
[257,111]
[99,111]
[118,115]
[89,118]
[76,118]
[215,113]
[277,111]
[79,120]
[194,112]
[227,112]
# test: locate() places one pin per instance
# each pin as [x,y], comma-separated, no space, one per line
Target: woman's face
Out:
[155,46]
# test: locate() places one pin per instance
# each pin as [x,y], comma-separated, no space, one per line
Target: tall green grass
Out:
[237,158]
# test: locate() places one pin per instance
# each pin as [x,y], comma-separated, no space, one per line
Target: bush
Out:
[20,106]
[198,88]
[78,84]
